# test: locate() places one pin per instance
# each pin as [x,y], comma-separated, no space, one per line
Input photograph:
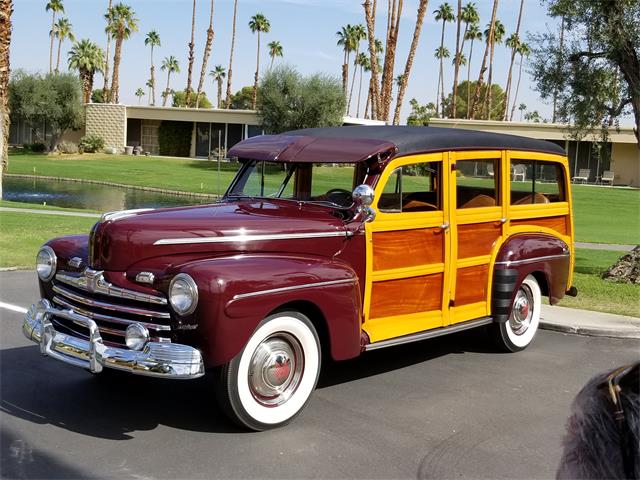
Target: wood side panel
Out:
[477,239]
[471,285]
[407,248]
[407,295]
[559,223]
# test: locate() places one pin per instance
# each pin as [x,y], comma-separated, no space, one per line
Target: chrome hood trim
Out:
[242,238]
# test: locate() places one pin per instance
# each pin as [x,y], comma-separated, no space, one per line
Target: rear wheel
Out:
[517,333]
[270,381]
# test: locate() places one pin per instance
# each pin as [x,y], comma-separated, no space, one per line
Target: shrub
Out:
[67,147]
[38,147]
[174,138]
[91,143]
[180,100]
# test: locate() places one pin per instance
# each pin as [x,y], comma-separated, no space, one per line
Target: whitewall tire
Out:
[519,330]
[270,381]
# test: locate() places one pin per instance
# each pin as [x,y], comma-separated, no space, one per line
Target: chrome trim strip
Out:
[93,281]
[109,306]
[108,318]
[459,327]
[535,259]
[250,238]
[295,287]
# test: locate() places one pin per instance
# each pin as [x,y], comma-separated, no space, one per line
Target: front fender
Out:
[236,293]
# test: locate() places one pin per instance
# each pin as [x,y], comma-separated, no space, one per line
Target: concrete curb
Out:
[590,323]
[589,331]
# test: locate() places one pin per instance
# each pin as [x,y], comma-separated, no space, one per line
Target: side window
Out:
[477,183]
[412,188]
[534,181]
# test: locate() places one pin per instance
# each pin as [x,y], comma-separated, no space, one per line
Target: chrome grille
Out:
[112,308]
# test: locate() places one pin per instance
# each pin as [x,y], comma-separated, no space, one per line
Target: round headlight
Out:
[136,336]
[183,294]
[46,263]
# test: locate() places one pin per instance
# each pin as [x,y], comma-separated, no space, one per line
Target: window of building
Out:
[477,183]
[412,188]
[536,182]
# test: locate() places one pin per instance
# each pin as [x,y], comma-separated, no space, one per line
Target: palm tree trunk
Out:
[441,71]
[456,68]
[233,43]
[555,91]
[255,80]
[469,79]
[115,85]
[374,85]
[359,92]
[166,90]
[85,81]
[89,86]
[507,92]
[483,68]
[58,56]
[153,81]
[205,56]
[105,88]
[6,9]
[515,97]
[345,73]
[191,55]
[422,9]
[489,96]
[219,91]
[53,24]
[389,60]
[366,105]
[353,82]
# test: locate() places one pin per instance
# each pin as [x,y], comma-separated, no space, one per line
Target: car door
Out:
[408,246]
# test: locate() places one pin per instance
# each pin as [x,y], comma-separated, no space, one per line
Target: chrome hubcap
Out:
[275,369]
[522,311]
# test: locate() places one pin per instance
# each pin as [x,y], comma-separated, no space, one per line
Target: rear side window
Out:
[536,182]
[477,183]
[412,188]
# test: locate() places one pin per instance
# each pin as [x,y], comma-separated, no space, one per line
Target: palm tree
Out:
[150,88]
[498,35]
[444,13]
[191,46]
[473,34]
[346,41]
[422,10]
[258,23]
[139,93]
[469,15]
[218,75]
[88,58]
[483,67]
[275,50]
[170,64]
[6,9]
[123,23]
[55,6]
[522,107]
[105,85]
[62,31]
[512,42]
[227,100]
[205,56]
[358,34]
[523,51]
[152,40]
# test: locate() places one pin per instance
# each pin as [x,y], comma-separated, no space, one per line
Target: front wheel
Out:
[517,333]
[270,381]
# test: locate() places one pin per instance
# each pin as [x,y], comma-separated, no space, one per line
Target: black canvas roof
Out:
[411,139]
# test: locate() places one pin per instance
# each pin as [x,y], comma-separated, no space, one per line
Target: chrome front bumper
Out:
[166,360]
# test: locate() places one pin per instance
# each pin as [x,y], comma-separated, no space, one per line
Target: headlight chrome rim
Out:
[136,336]
[53,263]
[187,281]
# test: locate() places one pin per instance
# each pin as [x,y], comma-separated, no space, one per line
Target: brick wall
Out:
[108,121]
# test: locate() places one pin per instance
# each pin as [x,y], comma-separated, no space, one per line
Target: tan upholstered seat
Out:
[418,206]
[480,201]
[532,198]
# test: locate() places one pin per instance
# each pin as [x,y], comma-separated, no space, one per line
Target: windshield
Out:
[318,182]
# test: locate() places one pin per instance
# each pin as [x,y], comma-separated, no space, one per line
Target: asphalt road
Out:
[442,408]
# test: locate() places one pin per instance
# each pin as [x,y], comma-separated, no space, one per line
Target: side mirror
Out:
[363,197]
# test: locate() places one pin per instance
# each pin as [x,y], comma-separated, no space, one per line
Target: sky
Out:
[305,28]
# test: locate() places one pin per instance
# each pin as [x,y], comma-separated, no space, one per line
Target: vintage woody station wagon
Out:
[328,243]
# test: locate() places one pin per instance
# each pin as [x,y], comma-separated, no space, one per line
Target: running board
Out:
[416,337]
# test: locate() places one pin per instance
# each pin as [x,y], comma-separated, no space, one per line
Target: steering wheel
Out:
[341,196]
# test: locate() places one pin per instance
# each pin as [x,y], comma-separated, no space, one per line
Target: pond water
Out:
[89,196]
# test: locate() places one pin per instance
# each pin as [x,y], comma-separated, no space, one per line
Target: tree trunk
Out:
[105,88]
[366,105]
[359,93]
[153,80]
[205,56]
[422,9]
[488,97]
[515,97]
[441,71]
[233,43]
[191,55]
[219,91]
[483,68]
[456,68]
[257,75]
[6,9]
[53,25]
[57,70]
[389,60]
[507,93]
[115,85]
[86,80]
[353,81]
[469,79]
[374,82]
[166,90]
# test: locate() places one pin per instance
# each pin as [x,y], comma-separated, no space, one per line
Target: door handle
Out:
[444,226]
[503,220]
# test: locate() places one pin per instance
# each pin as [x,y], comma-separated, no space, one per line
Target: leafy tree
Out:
[421,114]
[180,100]
[595,72]
[58,98]
[258,23]
[462,100]
[533,116]
[88,58]
[289,101]
[97,96]
[242,99]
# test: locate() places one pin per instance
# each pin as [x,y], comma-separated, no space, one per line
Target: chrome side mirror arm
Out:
[363,198]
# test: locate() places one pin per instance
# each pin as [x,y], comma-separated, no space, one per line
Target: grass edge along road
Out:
[33,230]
